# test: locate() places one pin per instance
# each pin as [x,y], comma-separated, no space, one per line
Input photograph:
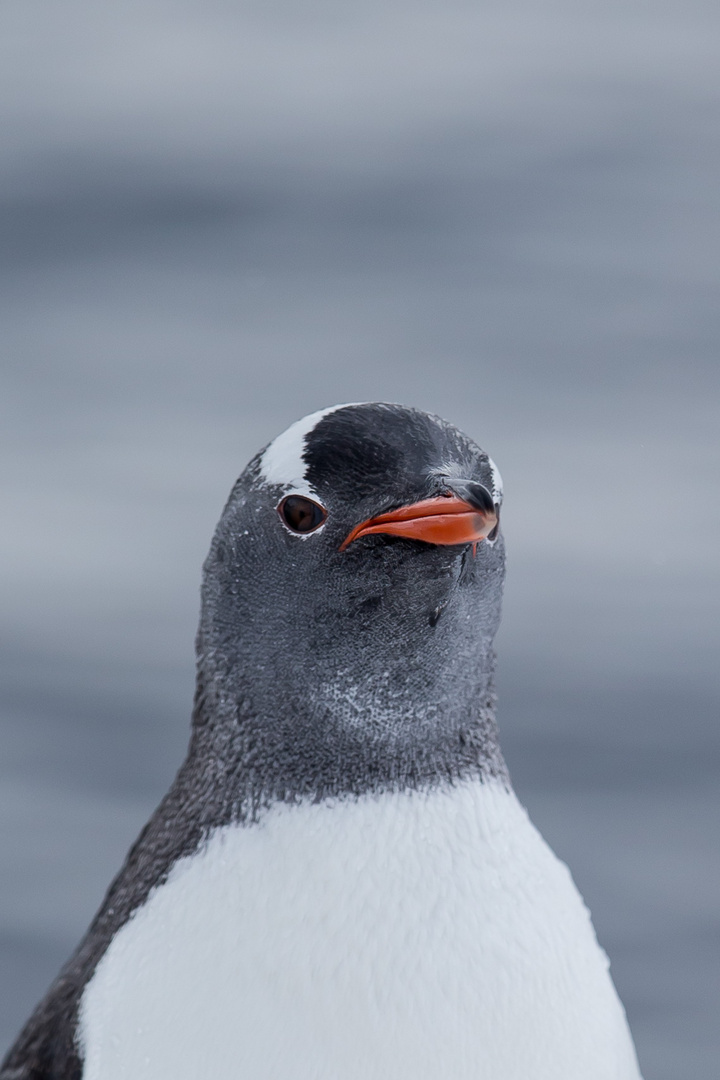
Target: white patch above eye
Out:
[283,462]
[497,491]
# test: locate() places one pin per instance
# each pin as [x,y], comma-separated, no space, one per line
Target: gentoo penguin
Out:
[340,883]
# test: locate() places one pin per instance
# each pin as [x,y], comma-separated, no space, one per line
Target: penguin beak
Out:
[446,519]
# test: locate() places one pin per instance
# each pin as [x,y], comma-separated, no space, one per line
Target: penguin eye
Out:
[301,515]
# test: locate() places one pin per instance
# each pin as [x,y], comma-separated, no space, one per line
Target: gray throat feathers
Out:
[400,702]
[243,765]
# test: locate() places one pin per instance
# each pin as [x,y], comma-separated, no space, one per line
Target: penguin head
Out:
[350,599]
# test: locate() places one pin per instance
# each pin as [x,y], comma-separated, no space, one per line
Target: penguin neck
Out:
[315,731]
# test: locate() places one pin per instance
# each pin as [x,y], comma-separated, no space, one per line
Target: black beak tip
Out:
[476,494]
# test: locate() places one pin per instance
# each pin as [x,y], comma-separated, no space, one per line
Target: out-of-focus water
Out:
[219,217]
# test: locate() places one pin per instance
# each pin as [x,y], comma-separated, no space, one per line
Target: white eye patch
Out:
[497,484]
[283,463]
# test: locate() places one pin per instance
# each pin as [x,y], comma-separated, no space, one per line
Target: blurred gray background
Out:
[217,217]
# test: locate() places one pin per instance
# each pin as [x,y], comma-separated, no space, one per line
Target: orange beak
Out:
[442,520]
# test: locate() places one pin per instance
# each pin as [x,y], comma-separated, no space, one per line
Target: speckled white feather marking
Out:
[497,491]
[412,937]
[283,463]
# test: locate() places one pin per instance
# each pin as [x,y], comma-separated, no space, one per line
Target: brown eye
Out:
[300,514]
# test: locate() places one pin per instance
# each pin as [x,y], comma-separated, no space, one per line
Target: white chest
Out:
[403,937]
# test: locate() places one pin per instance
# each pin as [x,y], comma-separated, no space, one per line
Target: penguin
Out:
[340,883]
